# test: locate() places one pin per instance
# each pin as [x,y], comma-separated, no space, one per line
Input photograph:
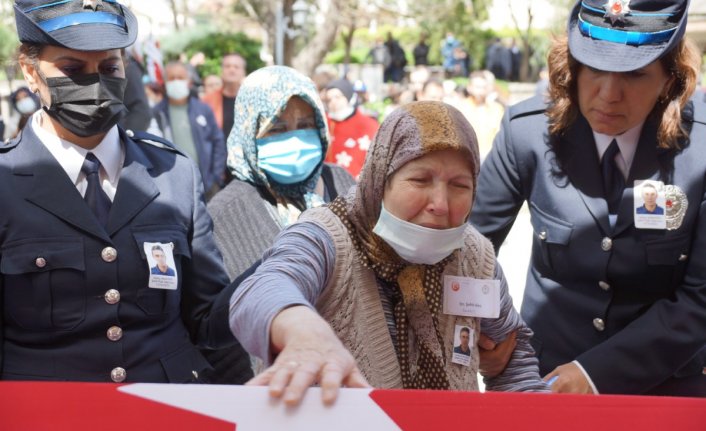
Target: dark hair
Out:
[681,63]
[157,247]
[29,52]
[465,329]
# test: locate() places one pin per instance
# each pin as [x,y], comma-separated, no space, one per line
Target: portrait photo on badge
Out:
[161,266]
[649,204]
[463,340]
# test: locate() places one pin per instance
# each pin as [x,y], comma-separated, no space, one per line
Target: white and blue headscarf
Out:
[261,98]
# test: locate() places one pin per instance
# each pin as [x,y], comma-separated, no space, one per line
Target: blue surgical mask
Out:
[290,157]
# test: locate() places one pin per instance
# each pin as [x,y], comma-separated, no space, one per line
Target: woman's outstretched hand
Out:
[309,353]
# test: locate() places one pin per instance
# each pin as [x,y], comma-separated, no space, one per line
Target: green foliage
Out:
[214,46]
[8,45]
[336,56]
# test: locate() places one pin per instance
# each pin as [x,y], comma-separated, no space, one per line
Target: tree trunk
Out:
[348,43]
[288,43]
[175,14]
[312,55]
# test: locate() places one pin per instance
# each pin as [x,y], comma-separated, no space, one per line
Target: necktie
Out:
[613,180]
[95,196]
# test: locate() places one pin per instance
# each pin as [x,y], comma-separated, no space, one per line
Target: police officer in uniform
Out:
[617,302]
[83,202]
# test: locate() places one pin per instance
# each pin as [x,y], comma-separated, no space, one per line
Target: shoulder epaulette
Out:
[532,106]
[8,145]
[154,140]
[694,110]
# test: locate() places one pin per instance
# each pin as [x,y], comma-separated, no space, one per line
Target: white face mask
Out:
[26,106]
[342,114]
[177,89]
[418,244]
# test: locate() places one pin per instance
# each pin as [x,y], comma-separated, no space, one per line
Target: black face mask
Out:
[86,105]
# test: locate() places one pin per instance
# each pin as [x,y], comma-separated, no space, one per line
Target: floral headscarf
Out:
[262,97]
[410,132]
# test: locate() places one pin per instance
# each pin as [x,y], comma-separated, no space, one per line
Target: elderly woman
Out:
[276,153]
[617,299]
[367,288]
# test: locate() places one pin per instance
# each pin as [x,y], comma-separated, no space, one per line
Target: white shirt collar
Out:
[627,142]
[70,156]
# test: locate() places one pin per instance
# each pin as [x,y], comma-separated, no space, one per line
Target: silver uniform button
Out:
[703,371]
[603,285]
[543,235]
[40,262]
[109,254]
[115,333]
[683,257]
[129,133]
[195,374]
[112,296]
[599,324]
[118,374]
[606,244]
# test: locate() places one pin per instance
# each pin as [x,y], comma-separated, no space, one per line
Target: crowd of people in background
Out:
[172,100]
[349,220]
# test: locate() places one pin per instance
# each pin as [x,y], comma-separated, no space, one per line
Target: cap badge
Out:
[616,10]
[92,4]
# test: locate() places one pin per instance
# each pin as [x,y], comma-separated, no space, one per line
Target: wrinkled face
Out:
[649,195]
[298,114]
[614,102]
[434,191]
[56,61]
[336,101]
[233,69]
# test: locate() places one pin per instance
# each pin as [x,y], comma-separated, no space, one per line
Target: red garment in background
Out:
[350,140]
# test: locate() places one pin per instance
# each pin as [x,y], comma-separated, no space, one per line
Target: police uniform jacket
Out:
[629,304]
[74,297]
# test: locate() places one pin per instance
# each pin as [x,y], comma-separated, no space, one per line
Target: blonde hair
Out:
[681,64]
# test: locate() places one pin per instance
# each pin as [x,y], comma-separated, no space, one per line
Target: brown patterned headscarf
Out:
[410,132]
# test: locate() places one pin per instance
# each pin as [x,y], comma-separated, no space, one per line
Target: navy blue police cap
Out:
[625,35]
[83,25]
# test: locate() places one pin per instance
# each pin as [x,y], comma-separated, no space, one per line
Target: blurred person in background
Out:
[233,72]
[351,130]
[432,90]
[484,113]
[212,83]
[139,112]
[24,103]
[190,124]
[421,51]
